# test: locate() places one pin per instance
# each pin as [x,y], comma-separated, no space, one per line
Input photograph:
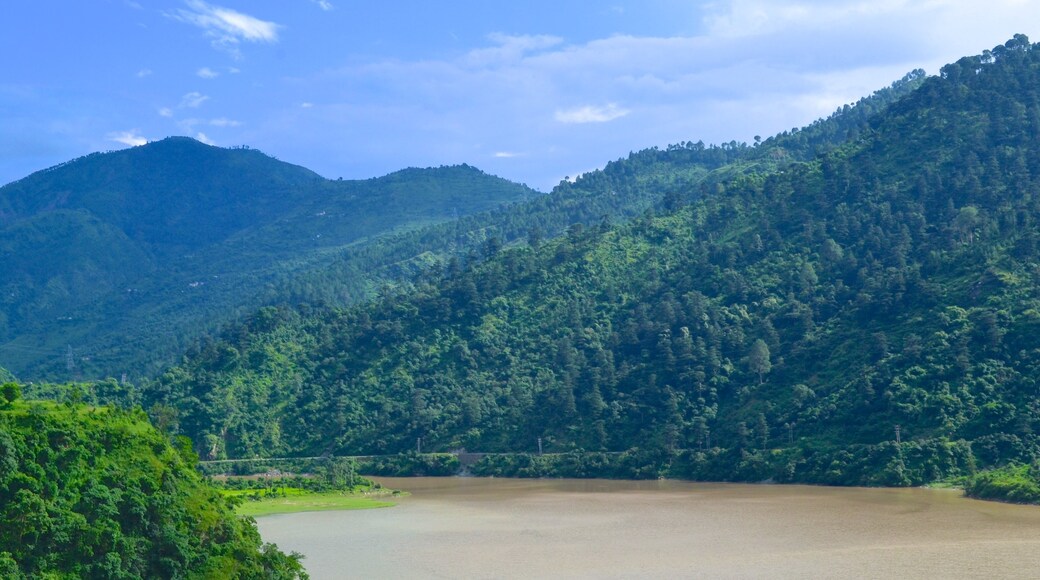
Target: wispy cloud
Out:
[202,137]
[165,112]
[224,122]
[324,4]
[225,26]
[193,100]
[506,155]
[207,73]
[144,73]
[591,114]
[306,105]
[510,48]
[132,137]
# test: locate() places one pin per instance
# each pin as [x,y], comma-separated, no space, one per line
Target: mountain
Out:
[867,316]
[115,261]
[118,262]
[99,493]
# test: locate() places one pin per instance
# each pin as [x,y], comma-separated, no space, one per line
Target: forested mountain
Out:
[868,316]
[98,493]
[115,261]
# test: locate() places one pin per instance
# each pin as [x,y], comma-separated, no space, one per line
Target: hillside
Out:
[865,317]
[118,262]
[98,493]
[115,261]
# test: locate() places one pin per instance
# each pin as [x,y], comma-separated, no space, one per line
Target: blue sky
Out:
[533,91]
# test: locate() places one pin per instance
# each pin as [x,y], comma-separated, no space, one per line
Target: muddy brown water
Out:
[508,528]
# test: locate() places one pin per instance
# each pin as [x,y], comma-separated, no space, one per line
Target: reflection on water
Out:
[509,528]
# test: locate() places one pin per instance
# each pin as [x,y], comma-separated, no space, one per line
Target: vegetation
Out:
[335,486]
[106,277]
[295,500]
[1013,483]
[863,317]
[114,262]
[92,492]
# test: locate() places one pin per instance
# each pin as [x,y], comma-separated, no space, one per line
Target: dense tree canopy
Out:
[774,321]
[89,492]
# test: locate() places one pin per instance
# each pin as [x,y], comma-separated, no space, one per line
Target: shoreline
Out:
[315,502]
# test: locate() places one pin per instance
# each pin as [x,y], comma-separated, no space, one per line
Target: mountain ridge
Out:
[864,317]
[90,243]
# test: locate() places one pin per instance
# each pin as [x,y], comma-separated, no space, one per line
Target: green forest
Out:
[850,303]
[116,261]
[105,277]
[866,316]
[97,492]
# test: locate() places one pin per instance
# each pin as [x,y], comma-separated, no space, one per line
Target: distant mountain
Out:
[117,260]
[865,316]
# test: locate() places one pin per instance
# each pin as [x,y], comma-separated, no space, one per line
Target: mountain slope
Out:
[172,196]
[120,256]
[119,261]
[868,317]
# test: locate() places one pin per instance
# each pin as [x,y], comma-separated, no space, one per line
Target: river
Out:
[510,528]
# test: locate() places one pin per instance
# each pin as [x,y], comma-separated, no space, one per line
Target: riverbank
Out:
[1012,484]
[298,500]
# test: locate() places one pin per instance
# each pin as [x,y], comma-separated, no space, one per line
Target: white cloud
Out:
[224,122]
[202,137]
[225,26]
[132,137]
[324,4]
[744,67]
[306,105]
[193,100]
[144,73]
[591,114]
[233,70]
[207,73]
[165,112]
[506,155]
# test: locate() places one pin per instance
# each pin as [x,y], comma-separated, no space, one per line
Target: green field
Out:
[292,500]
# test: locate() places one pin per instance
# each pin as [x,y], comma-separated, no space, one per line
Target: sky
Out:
[532,91]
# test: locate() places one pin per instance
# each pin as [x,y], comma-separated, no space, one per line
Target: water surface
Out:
[507,528]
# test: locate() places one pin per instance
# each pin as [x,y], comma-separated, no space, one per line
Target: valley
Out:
[851,304]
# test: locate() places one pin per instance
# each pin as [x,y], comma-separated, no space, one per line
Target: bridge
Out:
[466,458]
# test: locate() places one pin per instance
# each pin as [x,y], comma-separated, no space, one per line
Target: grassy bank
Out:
[1012,484]
[306,501]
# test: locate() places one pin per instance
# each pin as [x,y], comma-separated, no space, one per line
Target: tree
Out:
[762,430]
[758,360]
[965,222]
[9,393]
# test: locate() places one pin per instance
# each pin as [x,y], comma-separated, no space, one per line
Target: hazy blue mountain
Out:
[123,255]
